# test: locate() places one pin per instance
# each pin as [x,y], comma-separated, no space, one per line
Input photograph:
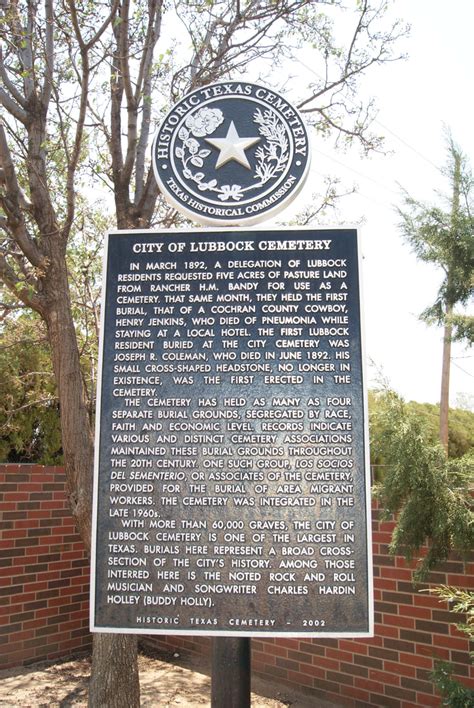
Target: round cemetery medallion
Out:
[231,153]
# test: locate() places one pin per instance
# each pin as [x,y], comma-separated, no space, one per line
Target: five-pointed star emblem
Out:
[232,147]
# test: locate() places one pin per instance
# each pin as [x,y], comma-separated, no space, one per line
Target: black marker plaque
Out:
[231,491]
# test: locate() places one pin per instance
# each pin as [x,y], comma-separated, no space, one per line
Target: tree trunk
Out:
[76,430]
[114,680]
[450,300]
[114,677]
[445,372]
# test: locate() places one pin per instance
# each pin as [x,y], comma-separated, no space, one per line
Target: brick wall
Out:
[44,571]
[44,608]
[411,630]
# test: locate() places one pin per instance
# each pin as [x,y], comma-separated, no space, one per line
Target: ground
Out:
[171,683]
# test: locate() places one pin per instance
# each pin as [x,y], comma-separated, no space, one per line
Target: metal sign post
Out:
[231,673]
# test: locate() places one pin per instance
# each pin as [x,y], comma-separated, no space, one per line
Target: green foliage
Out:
[460,601]
[29,410]
[454,693]
[84,260]
[30,428]
[445,238]
[463,328]
[428,492]
[461,426]
[431,495]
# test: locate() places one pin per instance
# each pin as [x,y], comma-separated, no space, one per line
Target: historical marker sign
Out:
[231,153]
[231,488]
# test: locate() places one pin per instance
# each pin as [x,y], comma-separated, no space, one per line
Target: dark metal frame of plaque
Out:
[232,485]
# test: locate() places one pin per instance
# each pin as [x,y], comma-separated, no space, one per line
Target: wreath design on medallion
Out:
[272,156]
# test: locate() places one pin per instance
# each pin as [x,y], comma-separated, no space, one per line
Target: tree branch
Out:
[131,101]
[12,200]
[95,38]
[12,107]
[25,42]
[143,87]
[9,85]
[49,56]
[19,289]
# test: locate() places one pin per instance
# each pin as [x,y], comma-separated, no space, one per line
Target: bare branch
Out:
[12,107]
[49,56]
[144,87]
[95,38]
[152,35]
[37,402]
[9,85]
[84,80]
[12,200]
[146,205]
[366,49]
[26,52]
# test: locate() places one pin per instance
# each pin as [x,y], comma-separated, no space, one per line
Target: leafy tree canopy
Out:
[444,236]
[428,492]
[29,404]
[461,428]
[29,409]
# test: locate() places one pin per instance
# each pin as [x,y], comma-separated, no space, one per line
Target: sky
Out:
[416,98]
